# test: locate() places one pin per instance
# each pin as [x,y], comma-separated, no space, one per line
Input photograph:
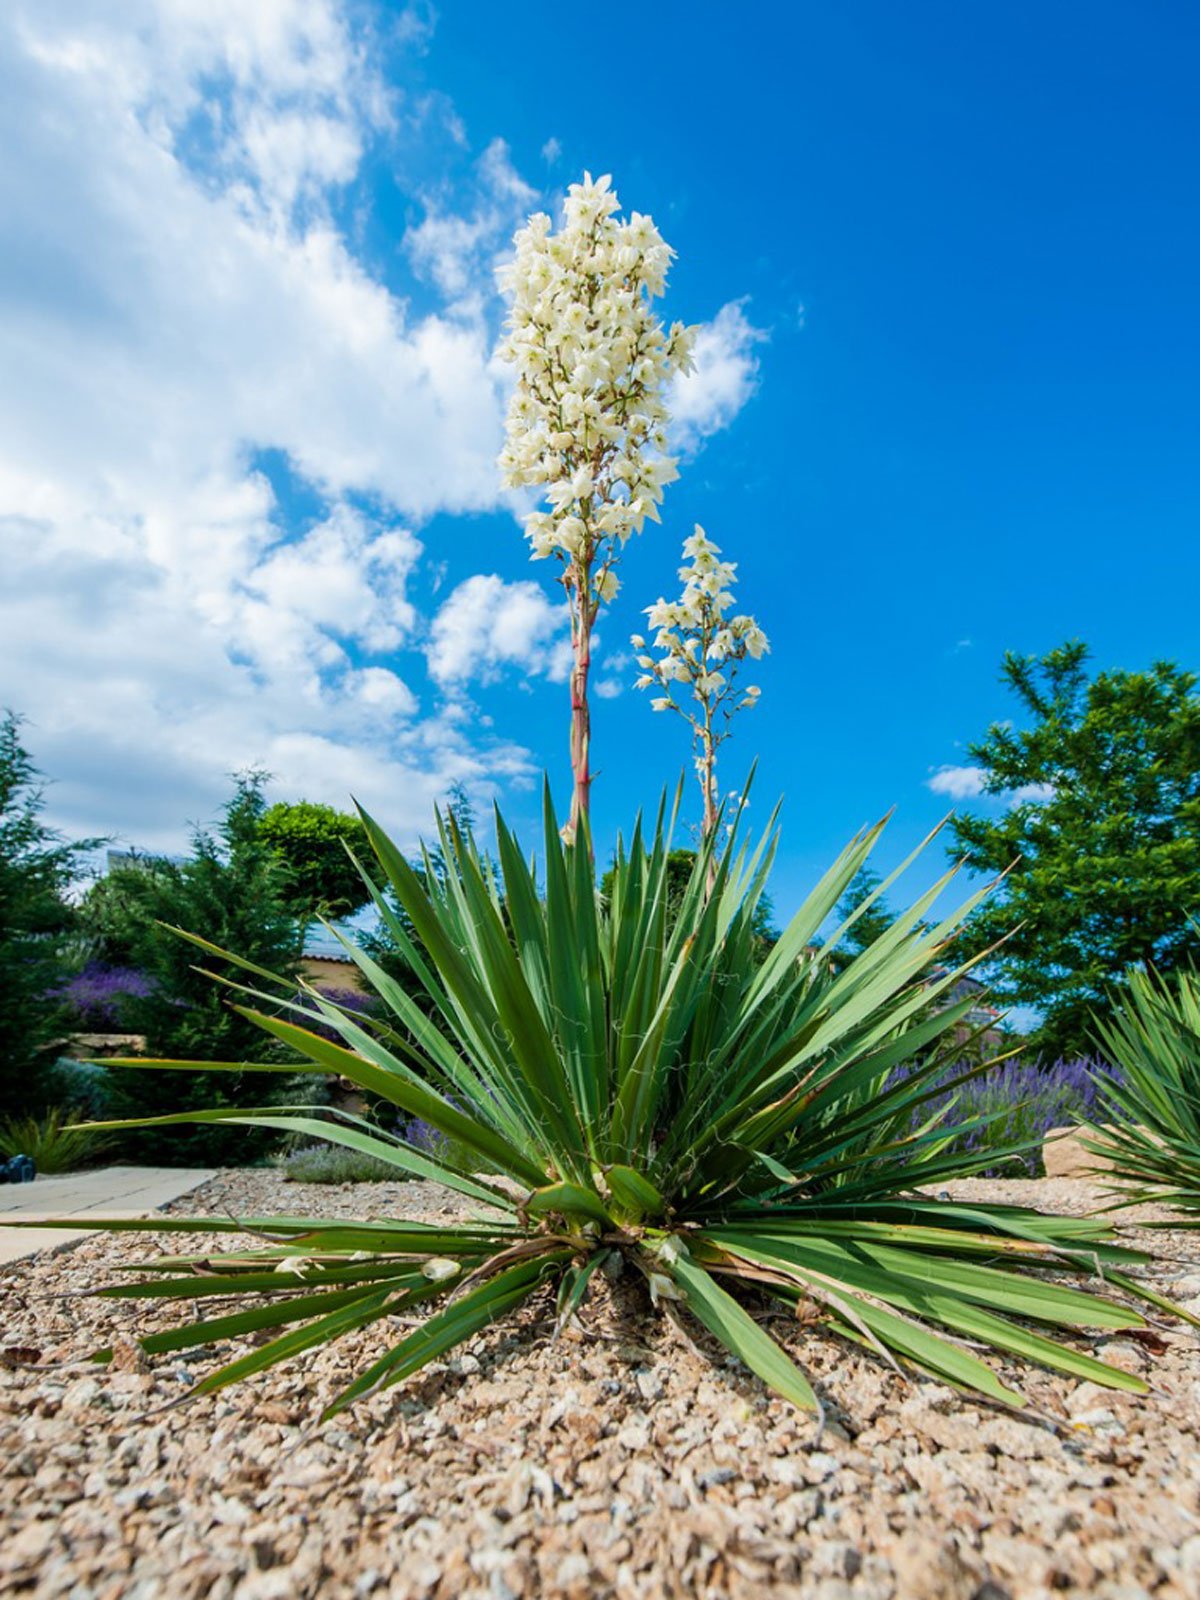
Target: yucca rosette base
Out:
[613,1079]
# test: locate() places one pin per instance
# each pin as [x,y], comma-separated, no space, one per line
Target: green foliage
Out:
[36,923]
[79,1089]
[730,1127]
[233,884]
[311,840]
[55,1143]
[1102,835]
[865,910]
[322,1163]
[430,868]
[679,869]
[1149,1125]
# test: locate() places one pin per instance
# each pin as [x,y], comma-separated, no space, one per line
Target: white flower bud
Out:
[698,642]
[438,1269]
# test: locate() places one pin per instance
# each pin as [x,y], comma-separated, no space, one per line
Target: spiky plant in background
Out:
[55,1143]
[1148,1124]
[617,1084]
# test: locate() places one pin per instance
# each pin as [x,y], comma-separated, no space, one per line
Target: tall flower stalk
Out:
[587,418]
[703,649]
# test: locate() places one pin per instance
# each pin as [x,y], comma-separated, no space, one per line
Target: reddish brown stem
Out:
[708,784]
[582,617]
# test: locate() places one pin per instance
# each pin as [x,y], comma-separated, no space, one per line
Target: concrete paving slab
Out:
[109,1192]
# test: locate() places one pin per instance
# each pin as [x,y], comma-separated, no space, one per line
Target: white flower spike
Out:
[703,647]
[587,419]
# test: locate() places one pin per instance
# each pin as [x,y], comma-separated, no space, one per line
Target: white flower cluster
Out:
[702,648]
[587,418]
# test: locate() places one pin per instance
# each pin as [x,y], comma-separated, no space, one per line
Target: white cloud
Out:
[968,783]
[1035,794]
[141,714]
[457,252]
[279,96]
[486,624]
[176,296]
[613,683]
[164,318]
[960,783]
[725,376]
[180,302]
[345,579]
[382,691]
[551,151]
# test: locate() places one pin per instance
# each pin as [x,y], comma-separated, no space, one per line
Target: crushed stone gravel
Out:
[624,1459]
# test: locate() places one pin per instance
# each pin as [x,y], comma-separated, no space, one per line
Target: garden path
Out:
[104,1192]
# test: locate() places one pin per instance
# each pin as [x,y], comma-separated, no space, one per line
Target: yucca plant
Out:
[1148,1127]
[55,1142]
[621,1083]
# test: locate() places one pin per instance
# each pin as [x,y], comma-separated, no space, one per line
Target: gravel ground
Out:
[621,1460]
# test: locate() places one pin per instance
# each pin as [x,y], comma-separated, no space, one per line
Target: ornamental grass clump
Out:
[616,1083]
[55,1143]
[1148,1125]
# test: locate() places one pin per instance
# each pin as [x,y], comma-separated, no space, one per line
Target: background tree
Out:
[36,921]
[873,922]
[233,889]
[679,871]
[1103,823]
[311,839]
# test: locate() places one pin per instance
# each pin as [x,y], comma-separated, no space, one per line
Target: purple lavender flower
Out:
[420,1135]
[97,994]
[1025,1099]
[353,1000]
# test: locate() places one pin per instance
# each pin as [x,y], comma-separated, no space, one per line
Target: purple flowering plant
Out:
[97,994]
[1017,1102]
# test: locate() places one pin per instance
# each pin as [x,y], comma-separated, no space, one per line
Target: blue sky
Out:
[946,258]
